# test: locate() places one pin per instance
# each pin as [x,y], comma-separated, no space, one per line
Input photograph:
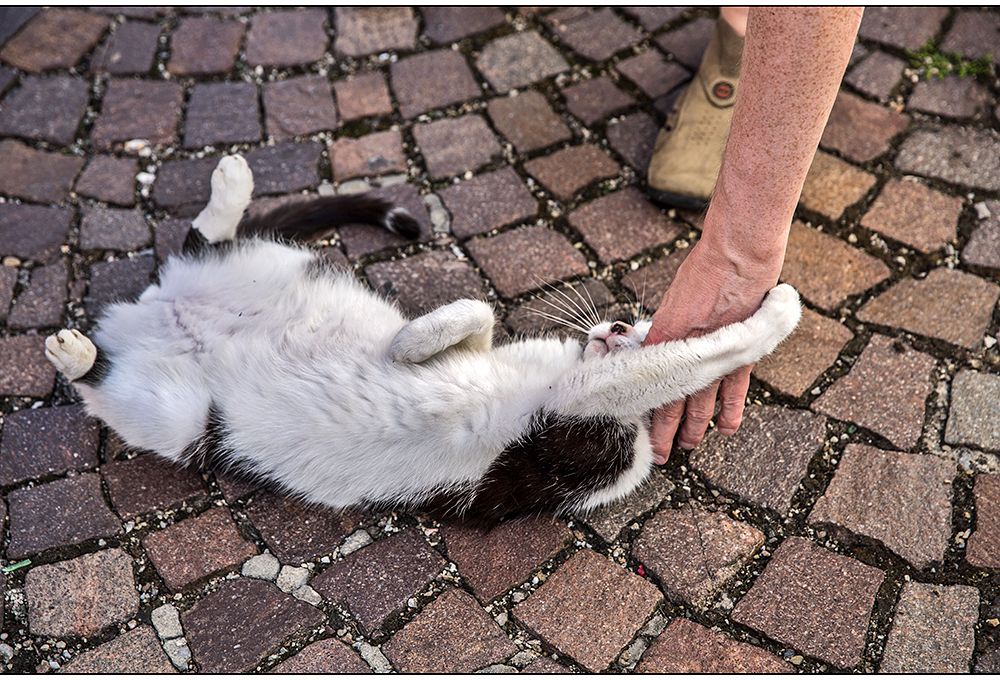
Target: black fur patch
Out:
[195,243]
[559,462]
[99,371]
[308,220]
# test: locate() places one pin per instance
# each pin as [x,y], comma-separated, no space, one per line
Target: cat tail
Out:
[309,220]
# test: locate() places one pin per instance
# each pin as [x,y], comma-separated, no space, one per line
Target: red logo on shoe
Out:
[723,90]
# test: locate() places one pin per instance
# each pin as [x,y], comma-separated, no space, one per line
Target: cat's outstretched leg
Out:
[463,323]
[71,352]
[232,187]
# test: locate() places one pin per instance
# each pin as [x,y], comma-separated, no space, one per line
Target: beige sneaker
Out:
[688,150]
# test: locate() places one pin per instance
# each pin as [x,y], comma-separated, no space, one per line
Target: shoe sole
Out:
[668,199]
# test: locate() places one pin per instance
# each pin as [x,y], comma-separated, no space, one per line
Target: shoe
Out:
[688,151]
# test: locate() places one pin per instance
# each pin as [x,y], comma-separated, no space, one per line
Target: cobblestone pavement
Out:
[852,524]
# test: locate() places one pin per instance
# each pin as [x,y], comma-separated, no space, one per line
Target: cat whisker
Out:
[587,314]
[560,320]
[567,306]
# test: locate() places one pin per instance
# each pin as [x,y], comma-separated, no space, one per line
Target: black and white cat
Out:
[250,353]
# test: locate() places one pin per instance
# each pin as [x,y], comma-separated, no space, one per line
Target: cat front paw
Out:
[232,183]
[71,352]
[781,310]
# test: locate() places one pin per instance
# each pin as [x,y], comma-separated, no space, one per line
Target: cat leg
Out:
[232,187]
[463,323]
[71,352]
[630,383]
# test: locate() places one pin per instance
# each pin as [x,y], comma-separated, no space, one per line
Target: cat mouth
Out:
[611,338]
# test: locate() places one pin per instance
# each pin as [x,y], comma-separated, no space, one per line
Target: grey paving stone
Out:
[876,75]
[595,99]
[974,35]
[137,109]
[129,50]
[8,277]
[914,214]
[13,19]
[902,27]
[298,106]
[804,355]
[109,179]
[694,551]
[222,113]
[983,248]
[56,38]
[622,224]
[169,238]
[594,34]
[363,95]
[205,45]
[139,485]
[570,169]
[112,229]
[452,146]
[589,609]
[964,156]
[424,282]
[860,130]
[609,520]
[117,281]
[284,168]
[686,647]
[137,651]
[184,186]
[36,175]
[813,600]
[527,121]
[687,44]
[291,38]
[974,416]
[166,619]
[41,442]
[326,656]
[46,108]
[519,59]
[652,73]
[448,24]
[487,202]
[951,96]
[296,532]
[26,371]
[766,458]
[41,243]
[524,259]
[432,80]
[81,596]
[633,138]
[231,629]
[41,304]
[367,30]
[933,630]
[903,500]
[654,17]
[983,548]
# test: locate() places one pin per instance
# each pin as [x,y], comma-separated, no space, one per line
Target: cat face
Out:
[611,337]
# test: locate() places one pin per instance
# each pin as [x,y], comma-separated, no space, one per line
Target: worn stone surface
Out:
[965,156]
[325,656]
[974,35]
[453,146]
[35,175]
[595,99]
[519,59]
[527,121]
[42,241]
[487,202]
[974,416]
[902,27]
[687,44]
[860,130]
[594,34]
[287,38]
[112,229]
[622,224]
[42,442]
[951,96]
[650,282]
[947,304]
[914,214]
[832,185]
[367,30]
[56,38]
[117,281]
[205,45]
[523,259]
[933,630]
[363,239]
[652,73]
[296,532]
[589,608]
[363,95]
[432,80]
[138,109]
[137,651]
[813,600]
[26,371]
[803,356]
[686,647]
[81,596]
[148,482]
[569,170]
[876,75]
[447,24]
[42,303]
[222,113]
[633,138]
[983,548]
[284,168]
[377,153]
[424,282]
[45,108]
[694,552]
[609,520]
[129,50]
[109,179]
[903,500]
[298,106]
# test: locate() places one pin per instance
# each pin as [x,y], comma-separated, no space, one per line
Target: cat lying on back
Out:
[253,355]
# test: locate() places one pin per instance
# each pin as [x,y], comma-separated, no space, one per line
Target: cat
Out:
[252,355]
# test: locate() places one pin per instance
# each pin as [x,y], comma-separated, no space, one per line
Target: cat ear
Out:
[466,324]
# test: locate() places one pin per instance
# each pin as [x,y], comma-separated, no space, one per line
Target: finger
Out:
[698,412]
[666,420]
[732,399]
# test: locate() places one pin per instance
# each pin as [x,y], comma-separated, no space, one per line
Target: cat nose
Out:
[619,328]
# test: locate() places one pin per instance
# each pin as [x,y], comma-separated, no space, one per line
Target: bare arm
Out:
[793,61]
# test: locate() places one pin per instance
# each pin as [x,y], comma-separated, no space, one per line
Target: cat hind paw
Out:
[71,352]
[781,309]
[232,189]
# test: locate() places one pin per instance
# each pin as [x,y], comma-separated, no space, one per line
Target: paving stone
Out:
[46,441]
[974,416]
[145,483]
[487,202]
[965,156]
[296,532]
[951,96]
[595,35]
[13,18]
[933,630]
[298,106]
[652,73]
[8,277]
[519,59]
[377,153]
[81,596]
[363,239]
[876,75]
[622,224]
[363,95]
[654,17]
[494,561]
[589,608]
[595,99]
[432,80]
[184,186]
[448,24]
[804,355]
[523,259]
[82,515]
[111,229]
[36,175]
[169,237]
[451,635]
[633,138]
[42,303]
[983,248]
[109,179]
[24,370]
[129,50]
[914,214]
[609,520]
[569,170]
[813,600]
[900,499]
[766,458]
[231,629]
[166,619]
[694,551]
[424,282]
[688,43]
[527,121]
[983,549]
[650,282]
[56,38]
[377,580]
[825,270]
[860,130]
[222,113]
[974,35]
[150,13]
[284,168]
[281,39]
[121,280]
[367,30]
[326,656]
[453,146]
[686,647]
[8,77]
[41,242]
[947,304]
[205,45]
[902,27]
[885,391]
[138,109]
[832,185]
[264,566]
[45,107]
[580,303]
[137,651]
